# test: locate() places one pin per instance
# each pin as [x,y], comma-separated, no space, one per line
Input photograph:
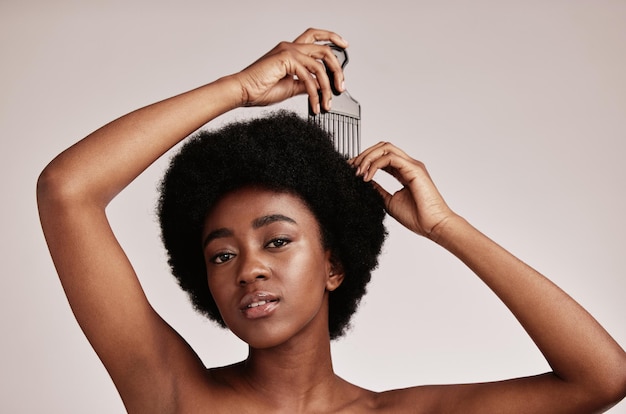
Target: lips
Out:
[258,304]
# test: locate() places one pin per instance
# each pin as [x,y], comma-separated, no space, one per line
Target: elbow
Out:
[619,387]
[46,184]
[57,188]
[64,182]
[612,389]
[51,187]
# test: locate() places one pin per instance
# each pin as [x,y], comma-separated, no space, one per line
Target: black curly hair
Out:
[280,152]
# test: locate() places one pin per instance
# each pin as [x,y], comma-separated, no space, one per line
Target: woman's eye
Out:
[278,243]
[222,258]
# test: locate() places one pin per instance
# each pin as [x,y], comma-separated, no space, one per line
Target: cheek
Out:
[310,270]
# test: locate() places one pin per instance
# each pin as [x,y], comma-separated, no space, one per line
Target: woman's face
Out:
[267,268]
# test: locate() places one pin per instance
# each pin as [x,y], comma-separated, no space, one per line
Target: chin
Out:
[256,341]
[266,336]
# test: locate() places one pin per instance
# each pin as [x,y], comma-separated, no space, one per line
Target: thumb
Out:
[384,193]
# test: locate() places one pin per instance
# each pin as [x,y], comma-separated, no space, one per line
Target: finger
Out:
[401,169]
[364,160]
[311,56]
[358,160]
[318,35]
[333,66]
[388,163]
[391,160]
[383,193]
[300,62]
[292,87]
[311,85]
[318,69]
[323,53]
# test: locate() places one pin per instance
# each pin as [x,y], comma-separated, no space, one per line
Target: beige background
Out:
[517,107]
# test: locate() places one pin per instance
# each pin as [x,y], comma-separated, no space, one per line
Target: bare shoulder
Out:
[451,398]
[422,399]
[543,393]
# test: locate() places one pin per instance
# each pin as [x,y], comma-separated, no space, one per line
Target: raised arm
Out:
[589,367]
[146,359]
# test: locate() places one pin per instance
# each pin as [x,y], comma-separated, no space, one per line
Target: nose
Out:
[251,269]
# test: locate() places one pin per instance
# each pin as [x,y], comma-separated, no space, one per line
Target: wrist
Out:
[233,93]
[446,230]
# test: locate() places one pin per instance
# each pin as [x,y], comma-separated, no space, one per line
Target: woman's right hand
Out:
[293,68]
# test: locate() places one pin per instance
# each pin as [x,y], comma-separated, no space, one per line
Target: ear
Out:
[334,271]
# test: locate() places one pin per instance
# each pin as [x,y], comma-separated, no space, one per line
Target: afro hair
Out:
[285,153]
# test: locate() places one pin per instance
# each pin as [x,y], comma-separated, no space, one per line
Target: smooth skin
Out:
[266,246]
[290,370]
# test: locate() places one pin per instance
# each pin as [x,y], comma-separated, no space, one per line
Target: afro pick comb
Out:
[343,121]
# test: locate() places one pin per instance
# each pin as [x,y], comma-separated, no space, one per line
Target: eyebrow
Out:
[256,224]
[269,219]
[216,234]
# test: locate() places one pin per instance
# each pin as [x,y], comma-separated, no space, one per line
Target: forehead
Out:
[246,205]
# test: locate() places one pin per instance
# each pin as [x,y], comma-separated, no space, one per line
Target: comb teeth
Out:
[343,121]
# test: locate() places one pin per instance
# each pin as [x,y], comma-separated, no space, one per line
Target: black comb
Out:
[343,121]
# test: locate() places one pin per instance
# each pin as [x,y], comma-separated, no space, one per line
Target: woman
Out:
[273,264]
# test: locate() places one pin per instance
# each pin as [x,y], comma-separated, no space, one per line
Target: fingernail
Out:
[317,109]
[343,85]
[330,103]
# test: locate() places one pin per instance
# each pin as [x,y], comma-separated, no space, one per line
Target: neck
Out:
[295,364]
[298,374]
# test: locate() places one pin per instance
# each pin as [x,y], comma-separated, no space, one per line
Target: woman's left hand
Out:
[418,205]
